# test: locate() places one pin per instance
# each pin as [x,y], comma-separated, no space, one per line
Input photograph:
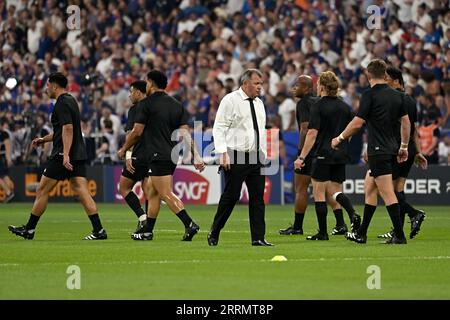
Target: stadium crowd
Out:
[203,47]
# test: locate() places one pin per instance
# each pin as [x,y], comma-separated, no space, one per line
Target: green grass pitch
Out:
[167,268]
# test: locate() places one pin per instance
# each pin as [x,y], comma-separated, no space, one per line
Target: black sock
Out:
[339,217]
[95,220]
[184,217]
[405,207]
[402,217]
[401,202]
[321,212]
[32,222]
[298,221]
[146,206]
[134,203]
[344,201]
[150,224]
[402,214]
[369,211]
[394,213]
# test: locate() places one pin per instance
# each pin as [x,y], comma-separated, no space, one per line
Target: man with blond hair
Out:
[329,116]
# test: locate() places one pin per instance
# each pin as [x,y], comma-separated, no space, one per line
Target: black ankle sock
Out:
[95,221]
[394,214]
[401,202]
[345,202]
[369,211]
[402,218]
[134,203]
[405,207]
[408,209]
[400,197]
[298,221]
[339,217]
[150,224]
[184,217]
[321,212]
[32,222]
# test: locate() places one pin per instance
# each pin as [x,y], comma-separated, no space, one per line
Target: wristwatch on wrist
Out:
[301,158]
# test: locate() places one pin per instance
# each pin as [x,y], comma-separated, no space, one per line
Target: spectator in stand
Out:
[286,110]
[444,150]
[428,111]
[443,110]
[6,183]
[115,120]
[204,104]
[194,42]
[430,134]
[41,129]
[107,152]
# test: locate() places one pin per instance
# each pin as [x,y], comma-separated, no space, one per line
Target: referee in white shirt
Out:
[240,139]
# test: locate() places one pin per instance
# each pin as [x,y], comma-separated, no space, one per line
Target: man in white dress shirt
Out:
[240,140]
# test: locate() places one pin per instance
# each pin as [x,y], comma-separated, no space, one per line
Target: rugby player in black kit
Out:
[382,108]
[303,89]
[67,160]
[159,116]
[135,168]
[329,116]
[401,170]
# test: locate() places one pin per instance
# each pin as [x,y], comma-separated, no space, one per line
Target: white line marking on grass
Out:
[224,261]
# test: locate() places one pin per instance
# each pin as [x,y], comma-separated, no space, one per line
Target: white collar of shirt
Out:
[243,94]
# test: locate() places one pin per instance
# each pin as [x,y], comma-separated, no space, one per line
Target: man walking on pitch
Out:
[135,168]
[329,116]
[381,107]
[401,170]
[240,141]
[67,160]
[159,116]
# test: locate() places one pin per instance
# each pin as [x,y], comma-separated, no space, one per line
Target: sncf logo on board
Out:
[190,186]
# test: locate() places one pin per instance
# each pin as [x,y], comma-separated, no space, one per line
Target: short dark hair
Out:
[158,78]
[429,97]
[395,74]
[108,124]
[227,53]
[59,79]
[377,68]
[139,85]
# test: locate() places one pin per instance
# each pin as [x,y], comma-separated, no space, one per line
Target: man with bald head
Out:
[303,89]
